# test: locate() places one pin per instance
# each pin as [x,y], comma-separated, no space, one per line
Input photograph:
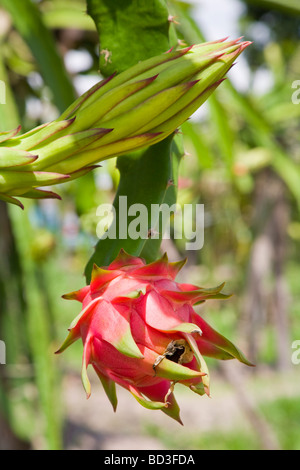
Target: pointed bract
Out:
[137,108]
[85,362]
[113,325]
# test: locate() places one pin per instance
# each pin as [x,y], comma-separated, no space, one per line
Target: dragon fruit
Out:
[137,108]
[139,330]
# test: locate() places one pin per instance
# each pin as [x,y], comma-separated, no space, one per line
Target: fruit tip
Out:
[71,120]
[223,39]
[239,39]
[185,50]
[93,167]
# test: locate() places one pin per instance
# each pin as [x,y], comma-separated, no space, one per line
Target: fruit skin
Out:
[139,330]
[137,108]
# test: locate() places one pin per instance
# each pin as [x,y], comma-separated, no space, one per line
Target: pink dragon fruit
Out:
[139,330]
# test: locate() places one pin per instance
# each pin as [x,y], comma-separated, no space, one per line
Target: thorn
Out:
[216,55]
[199,332]
[239,39]
[186,49]
[212,42]
[223,39]
[107,54]
[232,65]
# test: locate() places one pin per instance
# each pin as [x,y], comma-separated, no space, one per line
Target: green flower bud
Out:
[125,112]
